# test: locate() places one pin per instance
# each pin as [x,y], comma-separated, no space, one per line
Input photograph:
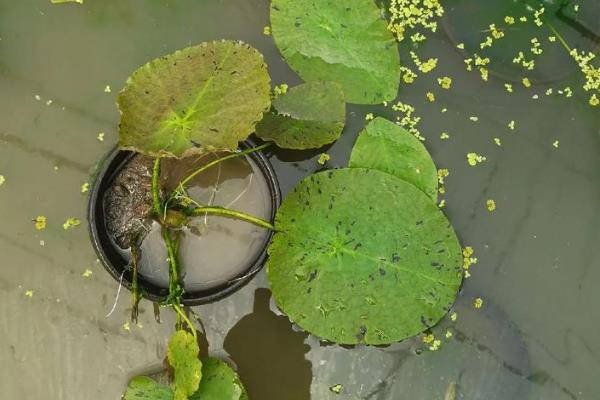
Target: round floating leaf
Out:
[387,147]
[183,356]
[361,256]
[308,116]
[144,388]
[203,98]
[342,41]
[219,382]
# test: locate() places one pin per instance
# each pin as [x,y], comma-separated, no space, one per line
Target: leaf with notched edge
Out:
[361,256]
[203,98]
[340,41]
[387,147]
[308,116]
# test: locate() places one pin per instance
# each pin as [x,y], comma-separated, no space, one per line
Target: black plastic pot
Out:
[117,265]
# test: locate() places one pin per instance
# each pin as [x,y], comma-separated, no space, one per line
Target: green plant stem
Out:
[232,214]
[559,36]
[182,185]
[156,203]
[175,290]
[135,289]
[181,314]
[173,267]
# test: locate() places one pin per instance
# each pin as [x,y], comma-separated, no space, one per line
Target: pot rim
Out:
[116,265]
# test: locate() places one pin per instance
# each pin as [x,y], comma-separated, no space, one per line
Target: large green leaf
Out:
[341,41]
[183,357]
[361,256]
[144,388]
[308,116]
[387,147]
[202,98]
[219,382]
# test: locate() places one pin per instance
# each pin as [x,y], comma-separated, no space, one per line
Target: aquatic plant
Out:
[347,241]
[206,99]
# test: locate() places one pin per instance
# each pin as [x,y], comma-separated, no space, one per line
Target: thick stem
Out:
[135,289]
[174,286]
[186,181]
[156,203]
[181,314]
[225,212]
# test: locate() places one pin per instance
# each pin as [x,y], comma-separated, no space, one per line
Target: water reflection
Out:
[269,354]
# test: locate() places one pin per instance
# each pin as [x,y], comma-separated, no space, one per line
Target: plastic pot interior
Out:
[117,265]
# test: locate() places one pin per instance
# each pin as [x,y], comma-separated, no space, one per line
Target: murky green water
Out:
[536,337]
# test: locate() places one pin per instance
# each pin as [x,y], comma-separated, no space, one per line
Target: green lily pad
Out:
[219,382]
[202,98]
[361,256]
[342,41]
[387,147]
[308,116]
[183,356]
[144,388]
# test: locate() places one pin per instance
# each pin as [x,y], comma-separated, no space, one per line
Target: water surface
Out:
[536,338]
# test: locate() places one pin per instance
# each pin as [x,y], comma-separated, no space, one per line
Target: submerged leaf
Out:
[219,382]
[361,256]
[341,41]
[307,116]
[202,98]
[387,147]
[183,357]
[144,388]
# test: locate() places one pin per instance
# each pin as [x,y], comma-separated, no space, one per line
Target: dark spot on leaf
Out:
[381,271]
[312,276]
[420,222]
[362,331]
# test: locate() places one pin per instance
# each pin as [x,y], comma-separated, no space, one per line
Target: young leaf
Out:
[183,357]
[202,98]
[387,147]
[144,388]
[219,382]
[308,116]
[361,256]
[342,41]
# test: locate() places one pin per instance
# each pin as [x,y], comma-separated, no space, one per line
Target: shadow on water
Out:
[269,354]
